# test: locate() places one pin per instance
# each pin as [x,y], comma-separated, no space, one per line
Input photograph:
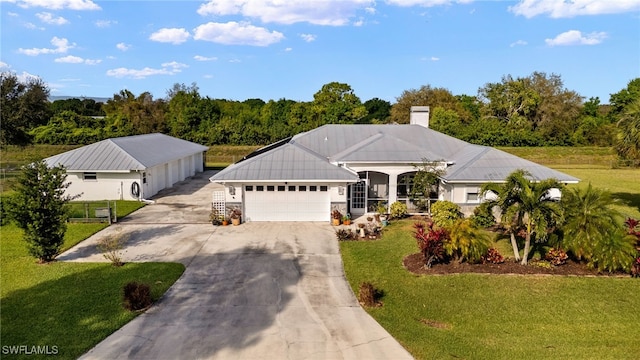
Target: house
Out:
[354,167]
[129,168]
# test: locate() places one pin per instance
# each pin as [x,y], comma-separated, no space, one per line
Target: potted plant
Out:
[346,220]
[336,216]
[381,210]
[215,218]
[225,221]
[235,215]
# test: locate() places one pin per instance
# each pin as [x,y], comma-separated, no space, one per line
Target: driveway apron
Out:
[254,291]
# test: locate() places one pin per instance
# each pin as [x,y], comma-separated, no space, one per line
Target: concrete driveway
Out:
[254,291]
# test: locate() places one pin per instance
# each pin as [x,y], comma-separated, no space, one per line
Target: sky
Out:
[274,49]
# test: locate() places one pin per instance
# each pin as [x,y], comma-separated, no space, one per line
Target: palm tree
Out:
[524,201]
[588,219]
[628,142]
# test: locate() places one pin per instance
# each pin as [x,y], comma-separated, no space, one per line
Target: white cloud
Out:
[575,37]
[308,37]
[288,49]
[49,18]
[204,58]
[233,33]
[33,26]
[59,4]
[12,14]
[105,23]
[518,43]
[4,65]
[166,69]
[318,12]
[208,76]
[358,23]
[174,36]
[61,46]
[433,58]
[423,3]
[567,9]
[70,59]
[123,46]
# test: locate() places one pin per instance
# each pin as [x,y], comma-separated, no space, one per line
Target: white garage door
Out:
[287,203]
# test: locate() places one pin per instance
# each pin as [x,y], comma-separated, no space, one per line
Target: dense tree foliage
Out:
[535,110]
[23,105]
[38,208]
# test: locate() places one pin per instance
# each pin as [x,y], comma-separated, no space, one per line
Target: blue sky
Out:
[273,49]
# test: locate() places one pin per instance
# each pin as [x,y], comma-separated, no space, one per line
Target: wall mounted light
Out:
[341,190]
[232,190]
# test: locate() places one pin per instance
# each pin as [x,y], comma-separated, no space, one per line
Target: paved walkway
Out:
[254,291]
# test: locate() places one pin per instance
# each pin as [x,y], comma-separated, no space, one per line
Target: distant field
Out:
[580,157]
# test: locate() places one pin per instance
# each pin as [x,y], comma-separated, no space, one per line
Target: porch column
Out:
[393,187]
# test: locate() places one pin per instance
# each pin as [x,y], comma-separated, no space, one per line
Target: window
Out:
[280,187]
[259,188]
[271,188]
[405,183]
[292,188]
[144,177]
[313,188]
[249,188]
[323,188]
[472,197]
[89,176]
[302,188]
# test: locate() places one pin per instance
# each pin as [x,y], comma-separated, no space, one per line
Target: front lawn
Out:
[71,306]
[479,316]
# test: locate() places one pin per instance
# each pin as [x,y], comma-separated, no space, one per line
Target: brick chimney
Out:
[419,116]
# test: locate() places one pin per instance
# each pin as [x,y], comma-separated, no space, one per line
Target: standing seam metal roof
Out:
[126,153]
[330,145]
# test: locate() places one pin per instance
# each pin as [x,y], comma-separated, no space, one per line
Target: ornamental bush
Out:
[430,242]
[466,242]
[483,216]
[398,210]
[136,296]
[445,213]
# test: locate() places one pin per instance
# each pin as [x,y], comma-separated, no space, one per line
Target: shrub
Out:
[466,241]
[430,242]
[635,269]
[614,253]
[336,214]
[111,248]
[483,216]
[136,296]
[398,210]
[493,256]
[556,257]
[368,295]
[346,235]
[445,213]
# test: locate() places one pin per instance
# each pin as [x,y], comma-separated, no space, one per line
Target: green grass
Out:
[565,156]
[624,185]
[479,316]
[69,305]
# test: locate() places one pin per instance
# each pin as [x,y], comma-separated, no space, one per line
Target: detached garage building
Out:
[129,168]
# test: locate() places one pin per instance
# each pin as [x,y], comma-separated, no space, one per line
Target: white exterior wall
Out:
[107,186]
[117,185]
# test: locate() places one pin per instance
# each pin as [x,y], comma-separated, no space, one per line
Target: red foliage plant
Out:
[430,241]
[493,256]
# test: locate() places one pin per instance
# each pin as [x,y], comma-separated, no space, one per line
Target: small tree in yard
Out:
[430,241]
[38,208]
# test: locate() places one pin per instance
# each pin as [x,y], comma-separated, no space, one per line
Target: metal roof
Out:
[288,162]
[126,153]
[329,145]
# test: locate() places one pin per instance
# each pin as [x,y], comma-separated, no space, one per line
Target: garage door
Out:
[286,203]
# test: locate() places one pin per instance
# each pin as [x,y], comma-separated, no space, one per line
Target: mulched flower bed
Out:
[415,264]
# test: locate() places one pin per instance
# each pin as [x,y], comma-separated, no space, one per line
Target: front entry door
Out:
[358,198]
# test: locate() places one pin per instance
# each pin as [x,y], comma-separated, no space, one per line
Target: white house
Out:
[129,168]
[354,167]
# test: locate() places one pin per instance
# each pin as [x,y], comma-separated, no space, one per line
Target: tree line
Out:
[536,110]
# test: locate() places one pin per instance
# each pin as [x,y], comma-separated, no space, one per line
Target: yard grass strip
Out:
[72,306]
[483,316]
